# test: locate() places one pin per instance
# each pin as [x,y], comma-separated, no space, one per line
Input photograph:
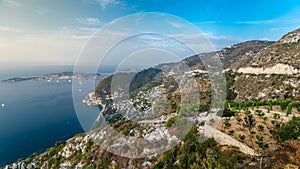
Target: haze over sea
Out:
[36,114]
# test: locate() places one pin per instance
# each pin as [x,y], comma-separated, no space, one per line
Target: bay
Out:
[35,115]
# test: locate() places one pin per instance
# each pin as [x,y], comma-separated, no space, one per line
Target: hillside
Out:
[285,51]
[232,57]
[273,73]
[239,55]
[257,126]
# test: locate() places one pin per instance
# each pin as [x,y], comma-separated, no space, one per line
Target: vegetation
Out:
[170,121]
[230,76]
[290,130]
[194,154]
[242,137]
[125,127]
[261,122]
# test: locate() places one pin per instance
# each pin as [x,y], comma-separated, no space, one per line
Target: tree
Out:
[284,104]
[249,121]
[289,109]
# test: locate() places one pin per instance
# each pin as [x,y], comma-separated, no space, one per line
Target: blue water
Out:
[36,115]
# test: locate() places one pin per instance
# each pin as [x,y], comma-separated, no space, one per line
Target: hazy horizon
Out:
[55,32]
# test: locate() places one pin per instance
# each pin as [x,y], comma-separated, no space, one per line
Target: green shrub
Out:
[227,124]
[260,127]
[290,130]
[262,145]
[170,121]
[159,165]
[276,115]
[259,137]
[105,163]
[242,137]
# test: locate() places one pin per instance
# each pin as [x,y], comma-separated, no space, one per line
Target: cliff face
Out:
[254,70]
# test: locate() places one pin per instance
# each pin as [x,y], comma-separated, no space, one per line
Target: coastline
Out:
[92,100]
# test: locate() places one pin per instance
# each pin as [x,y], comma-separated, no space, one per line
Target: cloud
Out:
[88,29]
[288,19]
[207,42]
[88,21]
[220,42]
[209,22]
[80,32]
[49,47]
[258,22]
[63,46]
[13,3]
[177,24]
[10,29]
[106,3]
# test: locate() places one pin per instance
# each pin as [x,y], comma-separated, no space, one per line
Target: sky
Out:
[54,32]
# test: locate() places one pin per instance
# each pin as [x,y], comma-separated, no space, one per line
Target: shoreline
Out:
[92,100]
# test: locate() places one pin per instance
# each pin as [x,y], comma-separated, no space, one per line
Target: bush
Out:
[170,121]
[105,163]
[260,127]
[242,137]
[262,145]
[276,115]
[159,165]
[289,109]
[290,130]
[228,113]
[227,124]
[193,153]
[259,137]
[275,123]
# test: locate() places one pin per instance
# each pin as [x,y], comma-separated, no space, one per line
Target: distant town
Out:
[57,77]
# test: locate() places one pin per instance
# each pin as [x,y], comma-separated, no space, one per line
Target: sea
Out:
[36,114]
